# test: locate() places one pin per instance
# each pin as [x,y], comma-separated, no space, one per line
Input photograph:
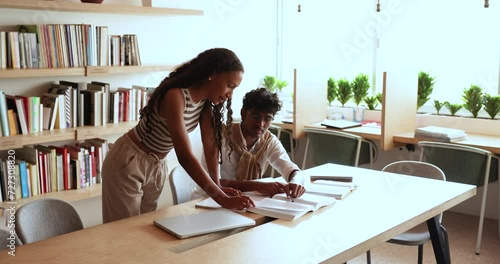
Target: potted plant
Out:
[371,102]
[438,105]
[280,84]
[491,105]
[270,83]
[425,87]
[344,91]
[379,97]
[285,98]
[473,99]
[332,90]
[360,87]
[453,108]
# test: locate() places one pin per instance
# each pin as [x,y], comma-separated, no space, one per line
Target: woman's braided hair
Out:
[195,72]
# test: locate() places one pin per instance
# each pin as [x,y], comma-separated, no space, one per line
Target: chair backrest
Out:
[332,146]
[416,168]
[285,136]
[46,218]
[461,163]
[184,189]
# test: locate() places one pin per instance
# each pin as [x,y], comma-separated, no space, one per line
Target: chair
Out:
[46,218]
[184,189]
[464,164]
[333,146]
[286,138]
[418,235]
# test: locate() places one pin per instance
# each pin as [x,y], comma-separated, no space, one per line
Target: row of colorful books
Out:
[71,104]
[66,45]
[44,169]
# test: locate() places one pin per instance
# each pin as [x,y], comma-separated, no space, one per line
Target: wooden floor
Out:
[462,232]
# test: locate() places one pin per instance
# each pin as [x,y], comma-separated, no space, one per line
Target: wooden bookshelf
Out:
[82,71]
[78,133]
[66,195]
[62,6]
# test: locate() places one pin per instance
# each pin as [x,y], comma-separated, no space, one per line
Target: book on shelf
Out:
[329,188]
[3,115]
[440,133]
[16,104]
[280,206]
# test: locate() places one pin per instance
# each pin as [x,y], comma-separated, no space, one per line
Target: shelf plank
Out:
[82,71]
[47,136]
[45,72]
[66,195]
[98,8]
[79,133]
[122,127]
[107,70]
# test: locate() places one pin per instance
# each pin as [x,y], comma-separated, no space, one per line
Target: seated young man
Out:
[254,148]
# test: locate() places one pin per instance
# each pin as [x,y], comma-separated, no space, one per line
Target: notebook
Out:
[340,123]
[206,222]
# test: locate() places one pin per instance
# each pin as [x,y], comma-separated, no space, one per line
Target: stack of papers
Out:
[337,190]
[440,133]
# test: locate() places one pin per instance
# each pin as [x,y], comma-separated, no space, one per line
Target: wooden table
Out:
[383,206]
[487,142]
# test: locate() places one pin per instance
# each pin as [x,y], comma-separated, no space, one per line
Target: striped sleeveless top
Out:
[158,140]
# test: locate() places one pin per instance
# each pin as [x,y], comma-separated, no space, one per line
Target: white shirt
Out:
[275,154]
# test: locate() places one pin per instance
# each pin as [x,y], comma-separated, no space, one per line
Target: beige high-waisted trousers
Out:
[132,180]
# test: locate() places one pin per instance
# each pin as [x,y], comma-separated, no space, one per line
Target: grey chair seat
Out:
[418,235]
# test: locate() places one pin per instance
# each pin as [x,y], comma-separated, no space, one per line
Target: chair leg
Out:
[368,257]
[480,229]
[305,154]
[420,254]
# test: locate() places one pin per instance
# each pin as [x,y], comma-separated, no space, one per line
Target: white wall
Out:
[456,41]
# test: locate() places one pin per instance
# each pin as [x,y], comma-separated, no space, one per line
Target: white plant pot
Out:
[358,113]
[338,112]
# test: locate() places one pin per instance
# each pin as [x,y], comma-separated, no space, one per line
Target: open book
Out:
[280,206]
[329,188]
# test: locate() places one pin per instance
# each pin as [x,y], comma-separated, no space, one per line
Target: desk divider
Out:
[309,100]
[399,106]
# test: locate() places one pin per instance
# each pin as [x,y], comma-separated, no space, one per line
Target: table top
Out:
[384,205]
[488,142]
